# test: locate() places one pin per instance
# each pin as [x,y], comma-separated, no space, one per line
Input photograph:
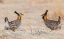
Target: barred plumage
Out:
[53,25]
[13,24]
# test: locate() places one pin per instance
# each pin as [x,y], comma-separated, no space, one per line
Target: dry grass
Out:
[32,26]
[58,9]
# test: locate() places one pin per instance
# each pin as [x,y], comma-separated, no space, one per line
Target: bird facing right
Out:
[13,25]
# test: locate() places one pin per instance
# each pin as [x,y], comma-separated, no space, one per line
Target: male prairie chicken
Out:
[13,24]
[53,25]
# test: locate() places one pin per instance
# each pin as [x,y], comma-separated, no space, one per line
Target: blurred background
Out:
[32,26]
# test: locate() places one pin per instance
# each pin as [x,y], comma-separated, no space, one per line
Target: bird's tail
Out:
[6,24]
[59,19]
[6,19]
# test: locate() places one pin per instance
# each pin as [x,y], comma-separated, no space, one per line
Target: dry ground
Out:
[32,26]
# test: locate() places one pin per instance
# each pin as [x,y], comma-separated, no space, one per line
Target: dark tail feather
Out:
[16,12]
[6,22]
[59,19]
[6,19]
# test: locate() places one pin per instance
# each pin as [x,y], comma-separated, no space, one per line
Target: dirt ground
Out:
[32,25]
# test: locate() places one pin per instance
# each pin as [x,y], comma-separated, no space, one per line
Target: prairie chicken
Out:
[53,25]
[13,24]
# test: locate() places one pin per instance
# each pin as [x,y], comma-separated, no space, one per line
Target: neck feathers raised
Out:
[19,17]
[45,17]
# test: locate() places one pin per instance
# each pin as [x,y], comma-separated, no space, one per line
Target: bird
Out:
[13,25]
[52,24]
